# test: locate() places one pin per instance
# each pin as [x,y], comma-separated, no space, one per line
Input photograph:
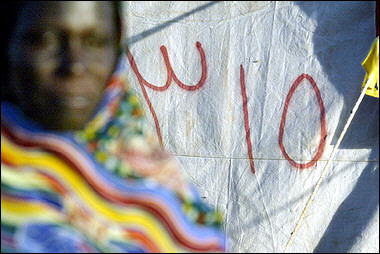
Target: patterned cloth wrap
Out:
[107,188]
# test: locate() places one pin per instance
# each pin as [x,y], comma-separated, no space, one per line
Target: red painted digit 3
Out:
[170,77]
[323,134]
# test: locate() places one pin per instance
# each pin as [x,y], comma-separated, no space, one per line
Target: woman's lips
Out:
[76,95]
[76,102]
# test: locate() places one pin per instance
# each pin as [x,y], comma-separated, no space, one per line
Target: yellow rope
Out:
[327,164]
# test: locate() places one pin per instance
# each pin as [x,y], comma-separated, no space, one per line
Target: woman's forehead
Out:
[70,14]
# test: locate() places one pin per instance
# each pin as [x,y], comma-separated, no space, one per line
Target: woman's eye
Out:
[40,40]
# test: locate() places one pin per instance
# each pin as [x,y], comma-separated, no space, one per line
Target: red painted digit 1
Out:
[322,141]
[246,120]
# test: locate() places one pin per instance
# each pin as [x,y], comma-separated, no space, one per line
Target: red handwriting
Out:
[322,141]
[246,121]
[170,77]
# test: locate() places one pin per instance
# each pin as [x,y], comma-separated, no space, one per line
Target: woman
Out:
[80,172]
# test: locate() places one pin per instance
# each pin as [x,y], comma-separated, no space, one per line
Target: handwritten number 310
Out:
[172,76]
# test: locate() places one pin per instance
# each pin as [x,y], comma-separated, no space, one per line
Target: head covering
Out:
[106,188]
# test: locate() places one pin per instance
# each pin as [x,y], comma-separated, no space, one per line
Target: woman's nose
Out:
[70,58]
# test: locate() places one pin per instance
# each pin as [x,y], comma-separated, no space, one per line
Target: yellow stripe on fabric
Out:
[26,180]
[129,216]
[17,212]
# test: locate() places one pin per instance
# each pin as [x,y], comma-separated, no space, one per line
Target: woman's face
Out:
[62,56]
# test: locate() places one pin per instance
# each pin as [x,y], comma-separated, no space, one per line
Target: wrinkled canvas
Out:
[302,56]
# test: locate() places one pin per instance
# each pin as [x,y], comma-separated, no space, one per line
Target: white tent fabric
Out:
[220,47]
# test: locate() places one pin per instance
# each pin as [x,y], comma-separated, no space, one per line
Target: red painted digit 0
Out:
[322,141]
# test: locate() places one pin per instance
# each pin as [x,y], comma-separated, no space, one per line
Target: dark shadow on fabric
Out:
[158,28]
[356,211]
[353,215]
[347,77]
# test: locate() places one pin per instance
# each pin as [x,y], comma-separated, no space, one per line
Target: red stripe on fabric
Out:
[136,235]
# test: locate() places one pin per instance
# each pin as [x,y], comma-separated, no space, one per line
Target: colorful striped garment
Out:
[107,188]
